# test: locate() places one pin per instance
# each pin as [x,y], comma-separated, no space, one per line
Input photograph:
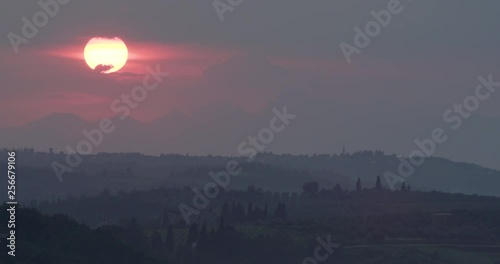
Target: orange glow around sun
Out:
[109,54]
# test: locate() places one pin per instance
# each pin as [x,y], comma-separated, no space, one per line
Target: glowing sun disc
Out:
[109,54]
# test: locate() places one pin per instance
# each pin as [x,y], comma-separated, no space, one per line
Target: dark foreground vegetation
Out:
[367,225]
[132,208]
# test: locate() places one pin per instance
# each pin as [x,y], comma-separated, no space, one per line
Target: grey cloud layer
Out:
[294,26]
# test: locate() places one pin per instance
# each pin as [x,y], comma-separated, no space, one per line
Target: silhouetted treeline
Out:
[133,171]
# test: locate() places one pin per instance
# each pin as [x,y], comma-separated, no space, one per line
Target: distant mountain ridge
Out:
[219,129]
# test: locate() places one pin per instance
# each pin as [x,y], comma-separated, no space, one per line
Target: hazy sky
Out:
[262,55]
[430,54]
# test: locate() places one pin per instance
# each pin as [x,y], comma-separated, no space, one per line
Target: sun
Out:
[106,55]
